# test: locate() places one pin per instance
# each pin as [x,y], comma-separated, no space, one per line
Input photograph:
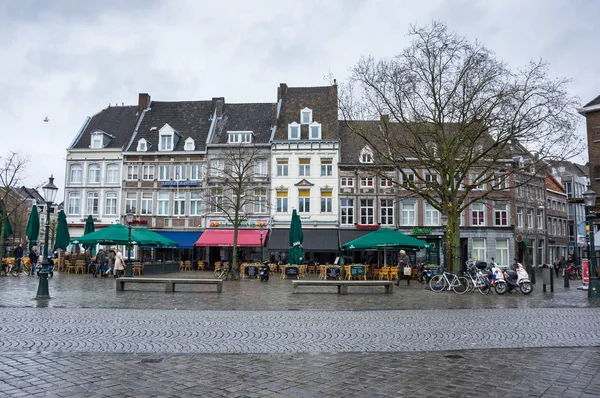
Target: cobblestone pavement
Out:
[256,340]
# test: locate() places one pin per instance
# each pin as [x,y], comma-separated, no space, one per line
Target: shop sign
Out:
[259,224]
[421,231]
[179,183]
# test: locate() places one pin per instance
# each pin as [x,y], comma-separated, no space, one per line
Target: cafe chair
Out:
[323,272]
[394,273]
[384,273]
[201,265]
[187,265]
[217,266]
[138,268]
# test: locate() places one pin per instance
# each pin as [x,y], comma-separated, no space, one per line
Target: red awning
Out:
[224,237]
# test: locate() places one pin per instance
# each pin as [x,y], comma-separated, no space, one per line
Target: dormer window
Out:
[189,144]
[96,141]
[142,145]
[294,131]
[306,116]
[239,137]
[366,155]
[315,131]
[167,138]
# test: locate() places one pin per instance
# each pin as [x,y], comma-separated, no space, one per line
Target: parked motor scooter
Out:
[38,267]
[264,272]
[425,273]
[512,279]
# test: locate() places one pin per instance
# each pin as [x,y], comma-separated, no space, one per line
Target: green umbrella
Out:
[295,240]
[62,232]
[33,227]
[7,228]
[382,238]
[118,234]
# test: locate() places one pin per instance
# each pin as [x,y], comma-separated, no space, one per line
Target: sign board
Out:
[251,270]
[333,272]
[586,270]
[291,271]
[571,250]
[357,270]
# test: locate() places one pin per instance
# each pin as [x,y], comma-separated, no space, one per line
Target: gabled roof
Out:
[553,184]
[188,118]
[117,121]
[323,101]
[595,101]
[30,193]
[258,118]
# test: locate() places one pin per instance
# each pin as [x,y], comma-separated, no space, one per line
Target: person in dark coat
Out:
[33,257]
[18,255]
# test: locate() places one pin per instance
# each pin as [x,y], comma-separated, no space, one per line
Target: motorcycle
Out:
[574,271]
[264,272]
[425,274]
[38,268]
[508,280]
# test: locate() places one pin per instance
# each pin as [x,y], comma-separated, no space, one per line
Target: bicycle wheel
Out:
[437,283]
[460,285]
[484,286]
[217,274]
[15,272]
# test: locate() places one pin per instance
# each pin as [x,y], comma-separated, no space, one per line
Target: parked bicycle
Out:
[20,268]
[222,273]
[476,278]
[447,280]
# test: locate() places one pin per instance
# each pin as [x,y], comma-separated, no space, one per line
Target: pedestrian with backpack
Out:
[101,260]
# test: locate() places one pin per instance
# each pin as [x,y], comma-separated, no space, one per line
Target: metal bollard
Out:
[566,277]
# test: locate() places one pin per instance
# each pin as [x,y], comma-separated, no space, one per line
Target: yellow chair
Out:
[138,268]
[393,273]
[323,272]
[217,266]
[201,265]
[384,273]
[187,265]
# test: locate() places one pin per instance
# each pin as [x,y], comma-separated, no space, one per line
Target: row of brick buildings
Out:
[167,163]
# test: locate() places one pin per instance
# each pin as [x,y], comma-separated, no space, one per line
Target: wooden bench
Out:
[169,282]
[343,285]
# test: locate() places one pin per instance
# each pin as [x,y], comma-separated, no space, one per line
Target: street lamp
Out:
[589,198]
[261,243]
[50,191]
[129,218]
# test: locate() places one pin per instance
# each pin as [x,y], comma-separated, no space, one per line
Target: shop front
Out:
[319,244]
[218,244]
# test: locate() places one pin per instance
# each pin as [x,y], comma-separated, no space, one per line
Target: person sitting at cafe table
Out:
[403,261]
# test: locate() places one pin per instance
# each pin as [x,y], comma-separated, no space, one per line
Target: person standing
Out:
[119,265]
[111,261]
[556,266]
[403,261]
[18,255]
[33,257]
[101,260]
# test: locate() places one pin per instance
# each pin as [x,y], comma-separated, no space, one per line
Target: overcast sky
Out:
[69,59]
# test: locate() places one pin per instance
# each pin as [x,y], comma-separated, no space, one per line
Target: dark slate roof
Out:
[351,144]
[258,118]
[322,100]
[118,121]
[188,118]
[595,101]
[30,193]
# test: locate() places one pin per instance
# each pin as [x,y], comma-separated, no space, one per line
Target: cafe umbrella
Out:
[63,237]
[33,227]
[295,240]
[89,227]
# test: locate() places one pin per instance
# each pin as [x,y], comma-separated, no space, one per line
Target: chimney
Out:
[385,119]
[218,103]
[281,91]
[143,102]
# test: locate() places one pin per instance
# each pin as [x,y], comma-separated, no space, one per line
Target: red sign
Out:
[586,270]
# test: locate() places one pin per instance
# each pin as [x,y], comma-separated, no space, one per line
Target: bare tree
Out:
[12,167]
[237,188]
[448,107]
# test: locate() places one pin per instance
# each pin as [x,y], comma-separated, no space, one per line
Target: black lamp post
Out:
[128,270]
[589,198]
[50,191]
[261,243]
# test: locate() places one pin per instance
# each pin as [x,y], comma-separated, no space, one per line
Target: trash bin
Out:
[547,274]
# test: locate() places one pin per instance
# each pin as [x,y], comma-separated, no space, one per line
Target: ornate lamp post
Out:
[128,270]
[50,191]
[589,198]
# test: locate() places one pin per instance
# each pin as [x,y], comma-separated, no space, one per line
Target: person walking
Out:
[556,266]
[33,257]
[112,255]
[119,265]
[403,261]
[101,260]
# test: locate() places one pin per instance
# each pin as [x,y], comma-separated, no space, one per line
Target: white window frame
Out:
[179,203]
[76,171]
[282,168]
[239,137]
[326,167]
[282,204]
[260,167]
[366,156]
[74,208]
[386,211]
[164,172]
[326,204]
[478,249]
[189,144]
[110,204]
[432,216]
[312,128]
[92,203]
[478,208]
[179,172]
[540,219]
[520,218]
[142,145]
[502,250]
[96,170]
[96,142]
[409,213]
[195,203]
[162,203]
[131,203]
[347,182]
[196,172]
[498,213]
[113,173]
[146,203]
[132,172]
[309,116]
[148,172]
[304,169]
[216,204]
[347,211]
[294,131]
[303,204]
[260,201]
[529,219]
[165,142]
[367,211]
[385,182]
[217,167]
[475,181]
[367,182]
